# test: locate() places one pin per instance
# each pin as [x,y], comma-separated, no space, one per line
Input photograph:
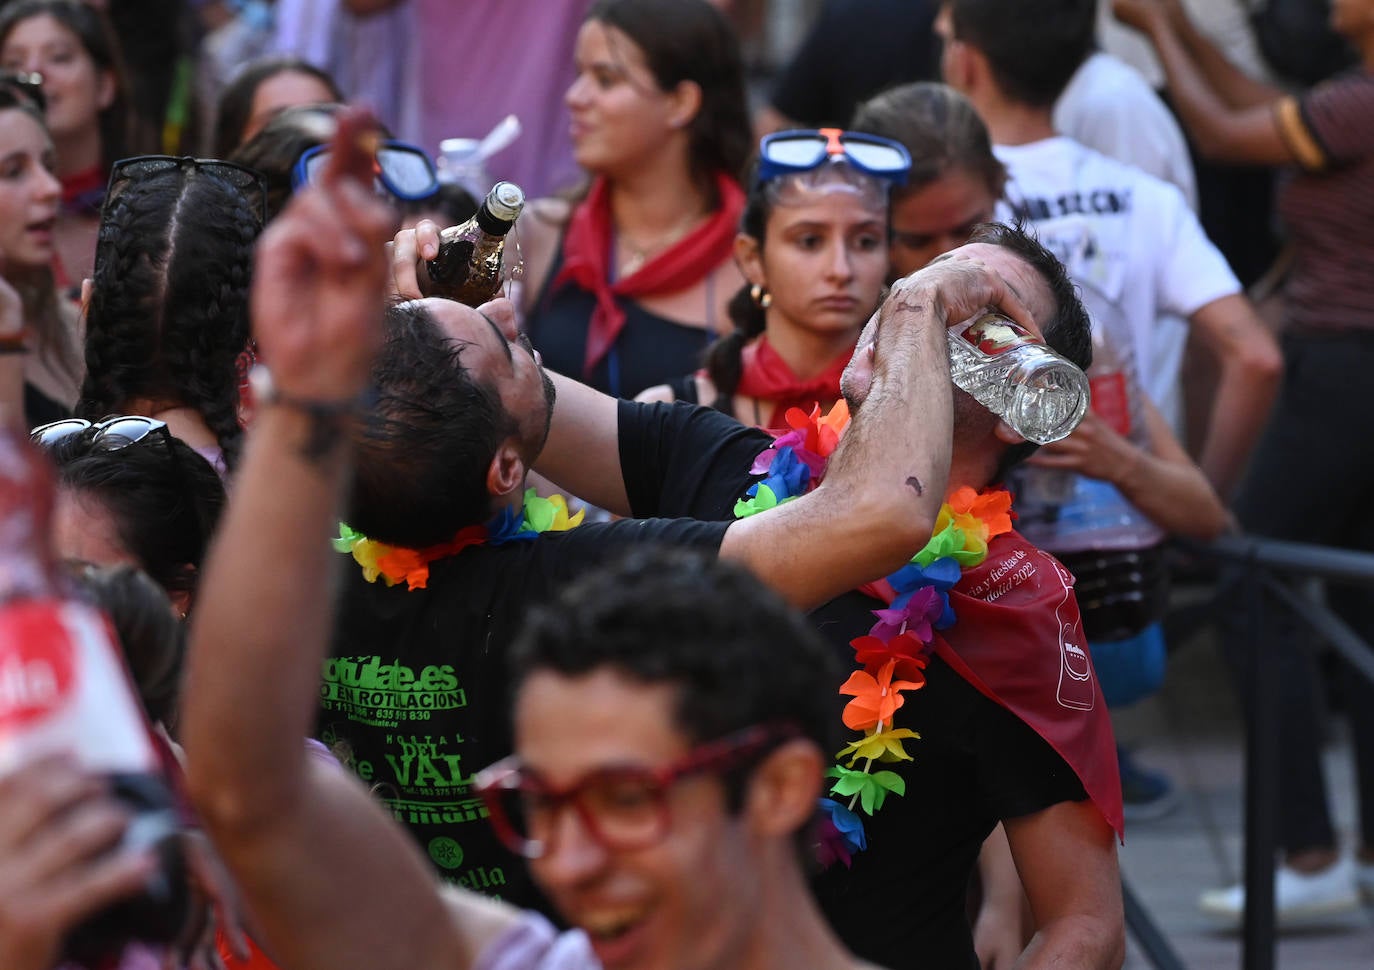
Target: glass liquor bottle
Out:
[470,265]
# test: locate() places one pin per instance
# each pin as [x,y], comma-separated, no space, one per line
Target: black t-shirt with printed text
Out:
[418,690]
[902,904]
[415,692]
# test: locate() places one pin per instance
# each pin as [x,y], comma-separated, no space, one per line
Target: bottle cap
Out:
[505,200]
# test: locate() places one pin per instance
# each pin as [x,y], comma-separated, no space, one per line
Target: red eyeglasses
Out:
[621,808]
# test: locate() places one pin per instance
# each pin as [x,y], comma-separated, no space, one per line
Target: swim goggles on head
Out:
[802,150]
[402,169]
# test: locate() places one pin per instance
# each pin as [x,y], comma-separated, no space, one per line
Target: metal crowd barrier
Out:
[1257,582]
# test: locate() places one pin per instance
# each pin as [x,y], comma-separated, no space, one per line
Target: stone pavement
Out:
[1193,731]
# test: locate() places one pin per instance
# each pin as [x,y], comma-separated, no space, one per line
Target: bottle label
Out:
[994,335]
[1110,401]
[37,668]
[63,688]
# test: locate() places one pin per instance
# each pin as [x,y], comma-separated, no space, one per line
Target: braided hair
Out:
[168,315]
[724,359]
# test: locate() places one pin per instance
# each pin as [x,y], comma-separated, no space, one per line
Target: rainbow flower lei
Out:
[394,564]
[893,655]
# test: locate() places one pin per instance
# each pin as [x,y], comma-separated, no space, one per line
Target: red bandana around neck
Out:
[1019,641]
[765,377]
[587,253]
[83,192]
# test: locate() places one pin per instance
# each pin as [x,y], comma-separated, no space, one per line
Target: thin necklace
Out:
[637,254]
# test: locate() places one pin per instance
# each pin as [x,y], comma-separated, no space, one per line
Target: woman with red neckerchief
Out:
[72,47]
[628,286]
[813,249]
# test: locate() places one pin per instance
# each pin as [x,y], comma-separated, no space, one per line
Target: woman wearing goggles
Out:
[813,249]
[402,170]
[290,151]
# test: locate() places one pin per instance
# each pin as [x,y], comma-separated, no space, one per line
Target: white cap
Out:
[505,200]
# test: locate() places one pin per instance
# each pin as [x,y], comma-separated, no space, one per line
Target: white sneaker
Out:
[1298,897]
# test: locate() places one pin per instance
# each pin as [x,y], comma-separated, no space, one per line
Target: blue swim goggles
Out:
[402,169]
[801,150]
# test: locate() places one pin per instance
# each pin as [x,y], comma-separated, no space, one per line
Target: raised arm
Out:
[1066,857]
[330,878]
[886,481]
[1251,366]
[1230,116]
[1161,480]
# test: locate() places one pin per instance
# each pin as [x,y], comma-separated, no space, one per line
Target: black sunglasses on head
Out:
[24,86]
[250,183]
[129,428]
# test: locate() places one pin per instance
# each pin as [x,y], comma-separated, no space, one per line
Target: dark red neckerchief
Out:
[1018,640]
[84,192]
[587,253]
[765,376]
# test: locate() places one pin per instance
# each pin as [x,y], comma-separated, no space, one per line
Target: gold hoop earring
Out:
[761,297]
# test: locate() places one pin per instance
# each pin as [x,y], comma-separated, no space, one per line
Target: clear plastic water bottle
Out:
[1063,512]
[1110,546]
[461,163]
[1038,393]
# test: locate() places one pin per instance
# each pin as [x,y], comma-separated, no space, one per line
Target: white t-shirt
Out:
[1128,239]
[1110,107]
[531,943]
[1226,23]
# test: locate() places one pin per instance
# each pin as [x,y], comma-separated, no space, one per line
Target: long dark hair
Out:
[236,100]
[724,359]
[92,28]
[168,315]
[941,130]
[690,40]
[36,287]
[273,151]
[151,638]
[162,497]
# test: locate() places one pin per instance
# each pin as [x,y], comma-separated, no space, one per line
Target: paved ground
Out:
[1193,731]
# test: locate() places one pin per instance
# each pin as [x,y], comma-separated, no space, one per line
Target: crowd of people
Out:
[673,608]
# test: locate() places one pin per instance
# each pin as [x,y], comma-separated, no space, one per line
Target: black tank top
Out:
[649,351]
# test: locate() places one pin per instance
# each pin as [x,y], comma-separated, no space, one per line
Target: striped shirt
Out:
[1329,205]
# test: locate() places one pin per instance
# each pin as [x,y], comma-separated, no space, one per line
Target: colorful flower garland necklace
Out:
[396,564]
[891,657]
[894,653]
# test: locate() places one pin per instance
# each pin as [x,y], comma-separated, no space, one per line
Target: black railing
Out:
[1259,567]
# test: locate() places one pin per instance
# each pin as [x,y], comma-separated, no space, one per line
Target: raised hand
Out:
[321,274]
[964,286]
[57,829]
[1094,449]
[409,250]
[1148,15]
